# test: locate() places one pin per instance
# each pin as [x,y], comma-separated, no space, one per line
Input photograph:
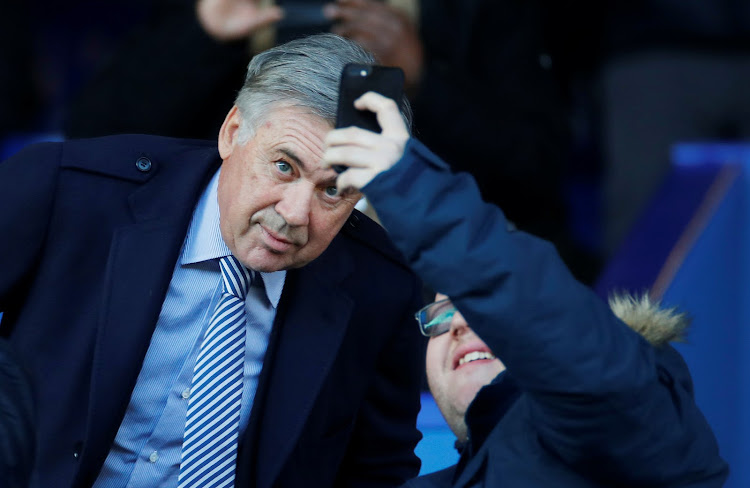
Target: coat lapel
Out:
[141,262]
[312,324]
[131,308]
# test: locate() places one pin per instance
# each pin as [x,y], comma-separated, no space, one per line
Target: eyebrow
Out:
[290,154]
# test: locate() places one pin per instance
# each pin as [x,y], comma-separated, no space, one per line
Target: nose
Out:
[459,326]
[296,203]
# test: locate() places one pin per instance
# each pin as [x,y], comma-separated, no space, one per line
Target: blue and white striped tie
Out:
[209,447]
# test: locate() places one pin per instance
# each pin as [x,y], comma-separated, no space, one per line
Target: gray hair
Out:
[301,73]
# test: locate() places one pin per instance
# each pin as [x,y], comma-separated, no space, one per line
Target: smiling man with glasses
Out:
[543,384]
[458,362]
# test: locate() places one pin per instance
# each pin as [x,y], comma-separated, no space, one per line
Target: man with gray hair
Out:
[194,318]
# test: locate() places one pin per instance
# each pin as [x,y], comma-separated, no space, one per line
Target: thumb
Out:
[267,16]
[245,21]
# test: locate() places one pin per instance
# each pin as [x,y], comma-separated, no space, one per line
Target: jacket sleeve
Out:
[599,390]
[27,188]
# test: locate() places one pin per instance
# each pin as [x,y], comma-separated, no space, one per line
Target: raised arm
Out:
[599,389]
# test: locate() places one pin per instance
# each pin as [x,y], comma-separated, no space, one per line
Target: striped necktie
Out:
[209,446]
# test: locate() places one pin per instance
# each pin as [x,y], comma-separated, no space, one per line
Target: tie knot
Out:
[235,276]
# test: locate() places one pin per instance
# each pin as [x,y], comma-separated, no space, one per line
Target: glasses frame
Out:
[421,317]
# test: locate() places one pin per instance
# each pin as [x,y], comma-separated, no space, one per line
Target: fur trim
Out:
[658,326]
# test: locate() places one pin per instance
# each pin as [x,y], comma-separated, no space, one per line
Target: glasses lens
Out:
[435,319]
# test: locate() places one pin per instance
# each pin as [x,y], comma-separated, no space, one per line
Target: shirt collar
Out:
[204,242]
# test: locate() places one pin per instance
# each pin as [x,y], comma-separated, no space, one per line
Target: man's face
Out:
[279,209]
[459,364]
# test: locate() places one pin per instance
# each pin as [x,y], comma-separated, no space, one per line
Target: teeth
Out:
[474,356]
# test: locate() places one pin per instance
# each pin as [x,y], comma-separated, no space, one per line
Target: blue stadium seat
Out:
[690,250]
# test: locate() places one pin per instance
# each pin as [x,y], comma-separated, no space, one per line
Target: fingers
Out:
[366,153]
[365,18]
[349,8]
[358,148]
[226,20]
[353,157]
[250,19]
[352,136]
[268,16]
[387,112]
[373,24]
[356,178]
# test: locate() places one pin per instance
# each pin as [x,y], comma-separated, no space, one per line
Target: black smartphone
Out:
[358,79]
[302,15]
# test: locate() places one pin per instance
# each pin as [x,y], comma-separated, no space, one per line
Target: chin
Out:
[264,261]
[466,395]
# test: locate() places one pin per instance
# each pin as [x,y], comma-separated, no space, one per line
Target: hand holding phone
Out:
[367,153]
[304,15]
[358,79]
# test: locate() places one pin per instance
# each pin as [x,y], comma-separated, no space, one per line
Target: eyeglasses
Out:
[435,318]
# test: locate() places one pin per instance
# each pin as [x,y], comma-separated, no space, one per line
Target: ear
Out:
[229,132]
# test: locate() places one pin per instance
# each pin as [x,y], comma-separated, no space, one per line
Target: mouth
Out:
[471,353]
[475,356]
[276,242]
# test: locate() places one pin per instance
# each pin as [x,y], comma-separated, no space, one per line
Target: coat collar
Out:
[484,414]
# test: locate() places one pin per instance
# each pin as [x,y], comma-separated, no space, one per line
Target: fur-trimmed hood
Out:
[657,325]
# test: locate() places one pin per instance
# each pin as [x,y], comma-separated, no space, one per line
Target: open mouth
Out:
[475,356]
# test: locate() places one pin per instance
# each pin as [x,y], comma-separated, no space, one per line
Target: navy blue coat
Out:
[16,422]
[585,401]
[90,238]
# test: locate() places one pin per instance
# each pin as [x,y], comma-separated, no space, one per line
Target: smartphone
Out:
[301,15]
[358,79]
